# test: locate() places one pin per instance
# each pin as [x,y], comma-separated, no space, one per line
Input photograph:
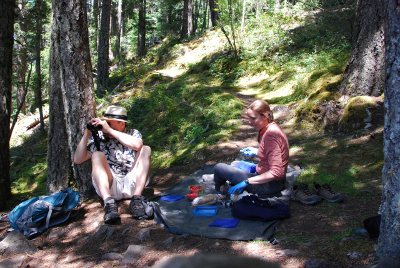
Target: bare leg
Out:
[141,168]
[101,174]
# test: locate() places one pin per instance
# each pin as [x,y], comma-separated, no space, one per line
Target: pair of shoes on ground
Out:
[301,193]
[136,207]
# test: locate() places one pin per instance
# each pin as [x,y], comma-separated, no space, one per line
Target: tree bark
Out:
[364,74]
[38,91]
[185,13]
[117,54]
[142,29]
[7,11]
[205,17]
[213,13]
[103,48]
[21,55]
[190,18]
[389,237]
[72,101]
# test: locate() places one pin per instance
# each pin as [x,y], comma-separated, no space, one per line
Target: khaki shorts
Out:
[122,187]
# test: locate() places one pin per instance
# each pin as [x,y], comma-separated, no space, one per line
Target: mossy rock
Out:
[361,113]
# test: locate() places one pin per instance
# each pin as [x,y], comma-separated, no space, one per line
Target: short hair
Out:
[262,107]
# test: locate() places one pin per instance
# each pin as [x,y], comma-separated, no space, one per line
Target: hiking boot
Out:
[302,194]
[136,207]
[111,211]
[325,192]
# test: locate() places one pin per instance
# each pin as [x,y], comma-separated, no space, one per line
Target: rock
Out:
[56,233]
[15,242]
[287,252]
[214,261]
[112,256]
[354,255]
[143,234]
[133,252]
[168,240]
[104,230]
[314,263]
[13,262]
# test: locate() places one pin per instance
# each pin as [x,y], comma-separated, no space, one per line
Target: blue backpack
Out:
[34,216]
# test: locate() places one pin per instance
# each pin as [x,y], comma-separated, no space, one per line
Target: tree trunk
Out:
[190,18]
[21,55]
[38,91]
[142,29]
[72,101]
[96,22]
[7,8]
[213,13]
[389,236]
[103,48]
[364,74]
[185,12]
[196,14]
[205,17]
[117,53]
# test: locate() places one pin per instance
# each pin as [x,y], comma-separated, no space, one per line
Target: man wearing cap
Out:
[121,167]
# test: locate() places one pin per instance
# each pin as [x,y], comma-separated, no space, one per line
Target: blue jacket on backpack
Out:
[36,215]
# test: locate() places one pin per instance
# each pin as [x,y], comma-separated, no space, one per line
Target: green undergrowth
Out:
[181,118]
[28,168]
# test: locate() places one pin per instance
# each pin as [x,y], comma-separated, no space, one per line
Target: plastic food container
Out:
[205,210]
[192,196]
[196,189]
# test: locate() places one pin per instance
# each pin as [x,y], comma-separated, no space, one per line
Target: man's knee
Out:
[146,150]
[98,158]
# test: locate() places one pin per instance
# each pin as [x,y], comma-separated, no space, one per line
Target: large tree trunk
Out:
[103,48]
[6,48]
[142,29]
[389,237]
[364,73]
[213,13]
[71,95]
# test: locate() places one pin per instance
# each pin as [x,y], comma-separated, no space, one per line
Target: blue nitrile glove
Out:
[248,151]
[238,187]
[247,166]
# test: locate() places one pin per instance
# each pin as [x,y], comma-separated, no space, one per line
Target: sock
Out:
[108,199]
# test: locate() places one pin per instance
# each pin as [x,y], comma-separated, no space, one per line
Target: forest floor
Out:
[312,232]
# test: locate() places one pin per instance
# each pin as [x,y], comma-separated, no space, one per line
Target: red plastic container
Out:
[192,196]
[196,189]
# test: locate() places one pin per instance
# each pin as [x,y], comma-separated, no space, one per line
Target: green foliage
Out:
[179,117]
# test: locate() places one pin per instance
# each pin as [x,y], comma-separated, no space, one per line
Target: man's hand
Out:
[248,151]
[238,187]
[105,127]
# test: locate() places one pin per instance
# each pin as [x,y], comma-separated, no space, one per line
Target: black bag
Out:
[250,207]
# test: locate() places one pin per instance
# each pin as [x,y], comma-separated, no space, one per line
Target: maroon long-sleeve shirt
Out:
[273,151]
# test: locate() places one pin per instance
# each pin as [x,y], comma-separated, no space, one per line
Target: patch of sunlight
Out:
[294,150]
[283,91]
[252,81]
[358,185]
[190,54]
